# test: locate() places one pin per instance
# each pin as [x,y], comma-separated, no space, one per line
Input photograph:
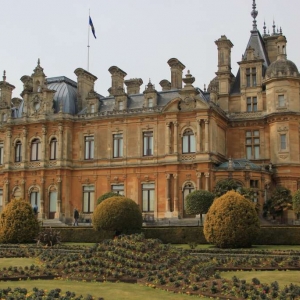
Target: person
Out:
[35,210]
[76,216]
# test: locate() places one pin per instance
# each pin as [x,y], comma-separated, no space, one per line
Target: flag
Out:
[92,27]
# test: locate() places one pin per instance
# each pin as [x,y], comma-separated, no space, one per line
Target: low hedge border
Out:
[268,235]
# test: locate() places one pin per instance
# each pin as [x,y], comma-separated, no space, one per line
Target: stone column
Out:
[6,200]
[206,181]
[58,203]
[60,142]
[8,148]
[206,136]
[199,175]
[24,145]
[44,143]
[167,150]
[198,145]
[175,137]
[168,197]
[23,189]
[175,212]
[42,208]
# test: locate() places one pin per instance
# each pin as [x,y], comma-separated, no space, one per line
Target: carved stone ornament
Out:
[187,104]
[283,156]
[36,104]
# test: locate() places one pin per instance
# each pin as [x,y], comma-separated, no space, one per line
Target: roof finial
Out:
[265,27]
[204,87]
[38,62]
[254,14]
[280,31]
[4,75]
[274,26]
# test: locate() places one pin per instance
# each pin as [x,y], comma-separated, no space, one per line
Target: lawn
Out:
[107,290]
[282,277]
[18,262]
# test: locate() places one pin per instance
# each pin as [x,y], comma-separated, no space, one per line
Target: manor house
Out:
[62,145]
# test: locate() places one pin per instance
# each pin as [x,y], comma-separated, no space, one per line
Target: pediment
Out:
[186,104]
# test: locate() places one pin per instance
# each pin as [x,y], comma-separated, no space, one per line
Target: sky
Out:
[138,36]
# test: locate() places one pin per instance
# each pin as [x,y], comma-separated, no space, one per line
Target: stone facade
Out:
[62,145]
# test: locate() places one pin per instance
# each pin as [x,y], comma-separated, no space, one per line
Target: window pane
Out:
[119,189]
[193,145]
[248,134]
[33,151]
[92,149]
[92,201]
[256,132]
[256,152]
[150,152]
[248,141]
[283,141]
[256,141]
[53,200]
[1,197]
[151,200]
[185,144]
[281,101]
[145,200]
[121,147]
[85,202]
[249,152]
[150,102]
[1,153]
[148,185]
[116,148]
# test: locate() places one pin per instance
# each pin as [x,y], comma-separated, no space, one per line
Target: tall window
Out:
[35,150]
[118,189]
[118,145]
[35,199]
[148,143]
[252,144]
[188,188]
[1,153]
[18,151]
[251,77]
[148,197]
[251,104]
[89,147]
[120,105]
[283,141]
[53,149]
[92,108]
[88,198]
[281,101]
[188,142]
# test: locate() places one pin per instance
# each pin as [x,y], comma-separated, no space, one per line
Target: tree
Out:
[119,214]
[198,202]
[280,201]
[225,185]
[296,203]
[106,196]
[250,194]
[18,223]
[231,222]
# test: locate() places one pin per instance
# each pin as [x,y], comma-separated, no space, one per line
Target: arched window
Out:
[53,149]
[18,151]
[35,150]
[35,198]
[187,189]
[188,142]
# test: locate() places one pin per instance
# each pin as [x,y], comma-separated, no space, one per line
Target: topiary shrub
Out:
[296,203]
[231,222]
[18,223]
[119,214]
[199,202]
[106,196]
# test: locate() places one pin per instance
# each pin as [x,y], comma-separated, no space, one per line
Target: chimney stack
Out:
[176,73]
[133,85]
[117,81]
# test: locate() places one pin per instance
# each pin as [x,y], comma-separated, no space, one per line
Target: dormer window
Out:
[150,102]
[92,108]
[120,105]
[251,104]
[251,77]
[281,101]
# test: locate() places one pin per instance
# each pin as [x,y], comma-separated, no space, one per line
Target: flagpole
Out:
[88,57]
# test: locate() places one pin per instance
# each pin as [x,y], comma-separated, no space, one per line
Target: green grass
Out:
[282,277]
[107,290]
[17,262]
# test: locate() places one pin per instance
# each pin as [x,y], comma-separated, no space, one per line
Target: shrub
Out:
[231,222]
[18,223]
[198,202]
[48,237]
[296,202]
[225,185]
[106,196]
[119,214]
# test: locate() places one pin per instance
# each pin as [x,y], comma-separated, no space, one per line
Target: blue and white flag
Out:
[92,27]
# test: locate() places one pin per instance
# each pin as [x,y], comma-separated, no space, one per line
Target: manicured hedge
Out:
[268,235]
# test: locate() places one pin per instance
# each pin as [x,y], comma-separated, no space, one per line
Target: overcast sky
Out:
[138,36]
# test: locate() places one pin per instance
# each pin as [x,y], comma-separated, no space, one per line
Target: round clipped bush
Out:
[119,214]
[106,196]
[231,222]
[18,224]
